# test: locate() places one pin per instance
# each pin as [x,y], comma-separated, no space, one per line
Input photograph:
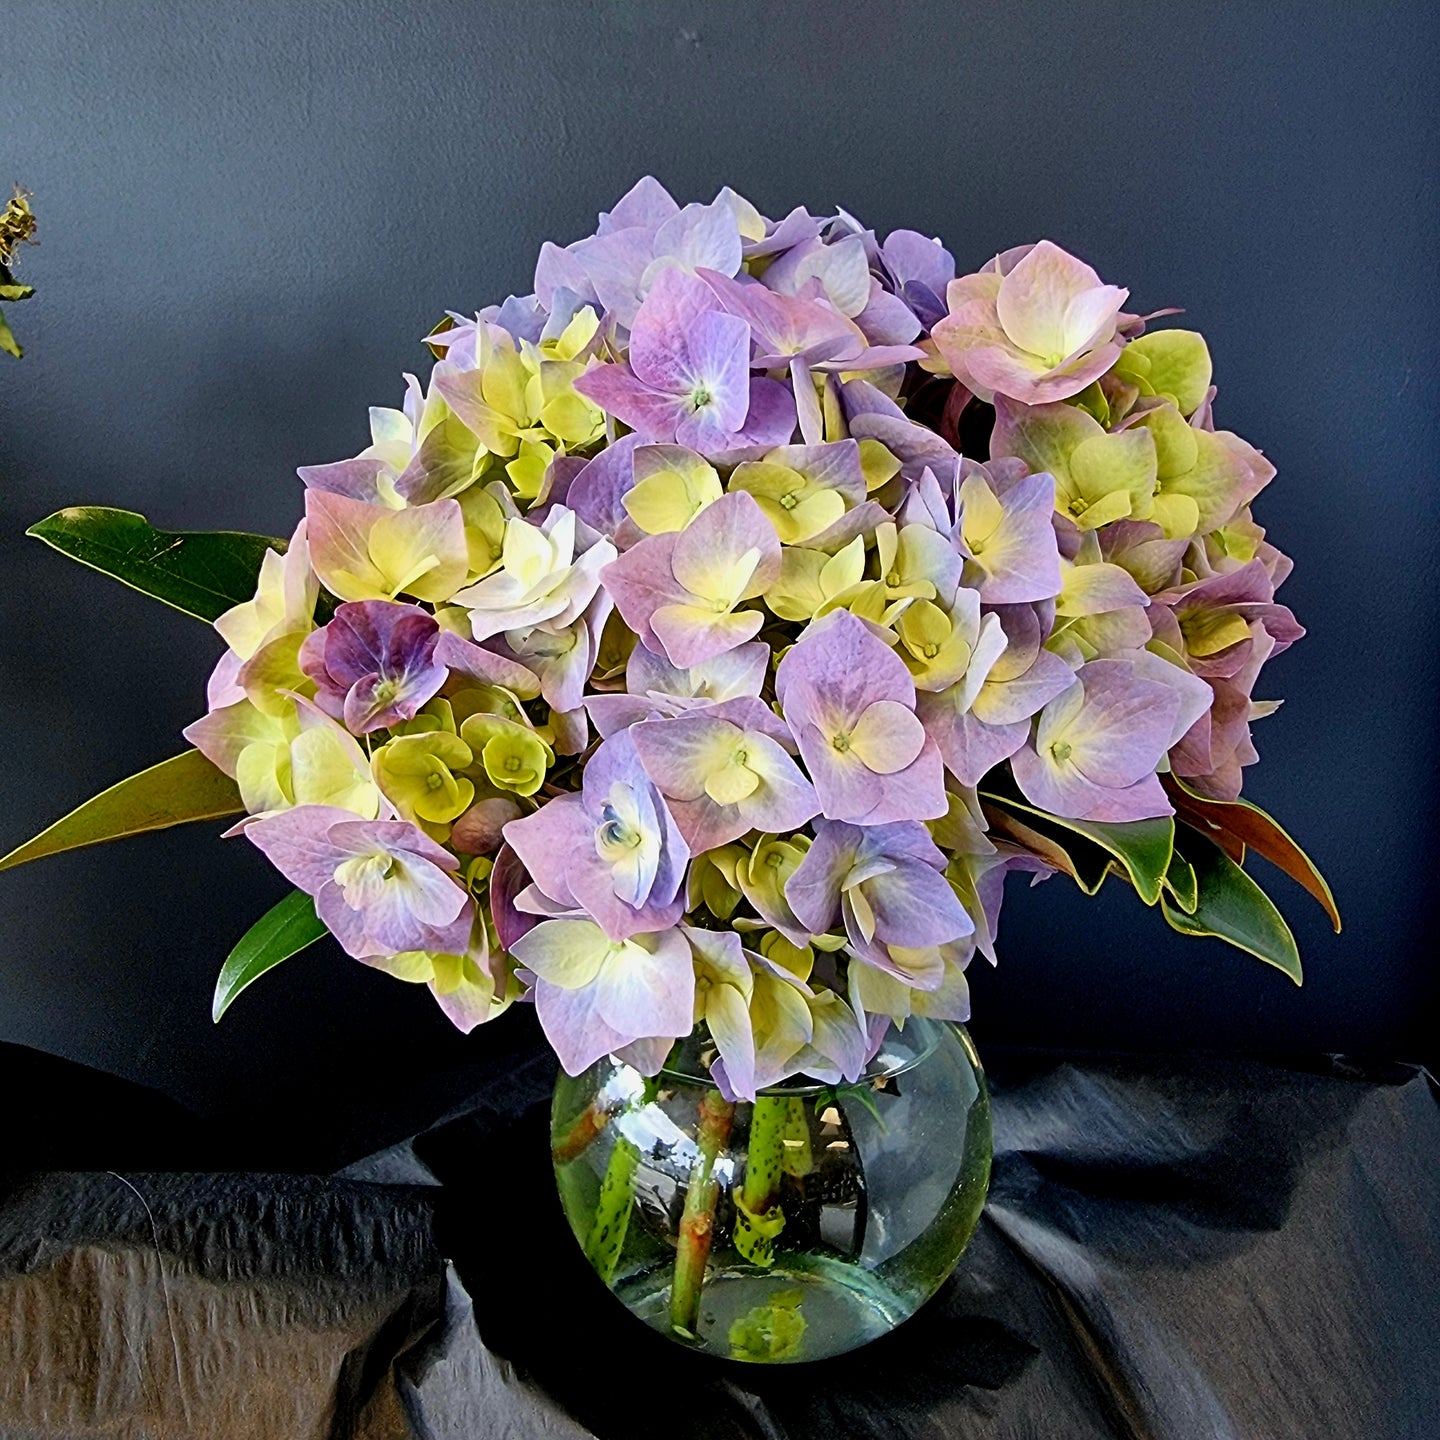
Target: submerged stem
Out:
[612,1213]
[758,1217]
[697,1223]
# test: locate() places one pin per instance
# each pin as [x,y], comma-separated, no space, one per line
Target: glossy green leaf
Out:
[1181,885]
[200,573]
[1230,906]
[277,935]
[1083,861]
[1142,847]
[187,787]
[1234,824]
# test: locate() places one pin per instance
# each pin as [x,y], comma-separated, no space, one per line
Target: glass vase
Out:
[797,1227]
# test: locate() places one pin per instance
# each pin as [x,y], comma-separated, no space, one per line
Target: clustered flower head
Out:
[673,635]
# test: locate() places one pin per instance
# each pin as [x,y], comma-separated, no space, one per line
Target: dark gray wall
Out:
[251,212]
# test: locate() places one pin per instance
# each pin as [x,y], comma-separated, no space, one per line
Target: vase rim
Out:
[916,1043]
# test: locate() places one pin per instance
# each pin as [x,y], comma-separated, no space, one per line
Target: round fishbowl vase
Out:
[799,1226]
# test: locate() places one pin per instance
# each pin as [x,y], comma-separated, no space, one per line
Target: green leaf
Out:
[187,787]
[277,935]
[202,574]
[1083,861]
[1181,884]
[1230,906]
[1234,824]
[1142,847]
[8,343]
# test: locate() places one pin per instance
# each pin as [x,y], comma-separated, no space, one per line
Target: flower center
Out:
[386,691]
[434,780]
[789,500]
[614,835]
[840,742]
[700,397]
[1060,751]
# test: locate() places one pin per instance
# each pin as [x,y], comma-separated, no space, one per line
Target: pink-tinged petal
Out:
[485,666]
[339,530]
[614,264]
[640,581]
[224,687]
[597,493]
[646,1055]
[573,1025]
[1020,561]
[1096,589]
[357,479]
[678,754]
[718,538]
[507,880]
[914,906]
[915,793]
[770,416]
[841,659]
[1124,726]
[1004,702]
[647,202]
[660,342]
[846,787]
[728,1018]
[814,889]
[887,737]
[1050,304]
[691,635]
[545,841]
[648,986]
[970,747]
[651,413]
[297,843]
[221,735]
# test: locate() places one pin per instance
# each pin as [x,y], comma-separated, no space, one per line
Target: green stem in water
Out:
[697,1222]
[758,1217]
[612,1213]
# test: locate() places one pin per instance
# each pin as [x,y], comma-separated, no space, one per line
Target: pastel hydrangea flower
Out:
[1097,744]
[1038,329]
[725,771]
[374,663]
[850,703]
[380,886]
[283,607]
[680,592]
[596,994]
[653,686]
[370,552]
[645,236]
[688,377]
[541,578]
[803,489]
[887,884]
[612,852]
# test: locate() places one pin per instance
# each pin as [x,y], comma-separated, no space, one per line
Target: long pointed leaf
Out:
[199,573]
[1241,823]
[1142,847]
[1085,863]
[1230,906]
[187,787]
[278,934]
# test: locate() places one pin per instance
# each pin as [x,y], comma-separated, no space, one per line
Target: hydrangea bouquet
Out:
[707,639]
